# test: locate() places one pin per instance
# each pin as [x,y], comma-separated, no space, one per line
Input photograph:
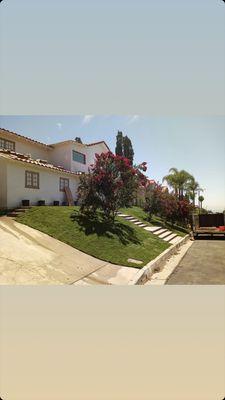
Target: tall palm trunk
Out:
[181,193]
[193,198]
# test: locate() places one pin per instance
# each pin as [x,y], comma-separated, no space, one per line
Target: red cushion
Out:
[222,228]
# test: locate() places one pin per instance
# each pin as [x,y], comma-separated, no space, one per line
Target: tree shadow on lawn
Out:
[97,225]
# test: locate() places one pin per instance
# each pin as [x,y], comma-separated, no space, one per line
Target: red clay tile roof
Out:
[12,155]
[25,137]
[48,145]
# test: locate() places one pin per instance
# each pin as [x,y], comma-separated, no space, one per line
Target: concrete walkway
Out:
[203,264]
[28,256]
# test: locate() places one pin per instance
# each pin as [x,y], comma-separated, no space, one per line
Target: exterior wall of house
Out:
[76,166]
[89,152]
[48,185]
[24,147]
[3,184]
[35,151]
[12,173]
[92,150]
[60,155]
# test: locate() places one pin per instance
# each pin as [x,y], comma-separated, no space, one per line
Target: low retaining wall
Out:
[155,265]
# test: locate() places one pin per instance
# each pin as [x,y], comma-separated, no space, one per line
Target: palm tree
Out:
[192,188]
[201,199]
[171,180]
[178,181]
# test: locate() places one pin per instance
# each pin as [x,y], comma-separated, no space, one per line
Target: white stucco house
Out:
[34,171]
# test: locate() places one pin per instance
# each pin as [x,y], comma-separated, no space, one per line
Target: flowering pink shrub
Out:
[167,205]
[110,184]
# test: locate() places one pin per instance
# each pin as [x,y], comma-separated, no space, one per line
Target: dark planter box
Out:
[25,203]
[55,203]
[41,203]
[64,203]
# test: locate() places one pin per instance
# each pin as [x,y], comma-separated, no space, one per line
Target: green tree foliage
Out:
[192,188]
[128,149]
[167,205]
[110,184]
[201,199]
[124,147]
[152,201]
[119,144]
[178,181]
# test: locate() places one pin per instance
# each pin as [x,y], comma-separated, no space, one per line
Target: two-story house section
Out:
[34,171]
[76,156]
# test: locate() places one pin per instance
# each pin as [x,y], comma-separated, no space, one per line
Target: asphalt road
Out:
[203,264]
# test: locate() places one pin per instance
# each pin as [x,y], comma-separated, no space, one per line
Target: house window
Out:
[31,180]
[63,183]
[7,144]
[79,157]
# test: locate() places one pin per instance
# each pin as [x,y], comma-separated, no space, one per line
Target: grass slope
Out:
[142,216]
[110,243]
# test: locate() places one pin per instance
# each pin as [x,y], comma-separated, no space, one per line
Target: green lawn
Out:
[142,216]
[110,243]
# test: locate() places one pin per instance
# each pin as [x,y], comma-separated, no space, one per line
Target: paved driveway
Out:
[203,264]
[28,256]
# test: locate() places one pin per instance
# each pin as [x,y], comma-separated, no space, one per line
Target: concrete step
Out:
[160,231]
[17,212]
[163,235]
[141,225]
[12,214]
[175,240]
[134,220]
[170,237]
[153,228]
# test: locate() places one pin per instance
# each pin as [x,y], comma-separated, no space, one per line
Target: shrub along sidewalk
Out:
[113,243]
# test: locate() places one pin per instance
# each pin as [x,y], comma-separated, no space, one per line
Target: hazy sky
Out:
[112,56]
[196,144]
